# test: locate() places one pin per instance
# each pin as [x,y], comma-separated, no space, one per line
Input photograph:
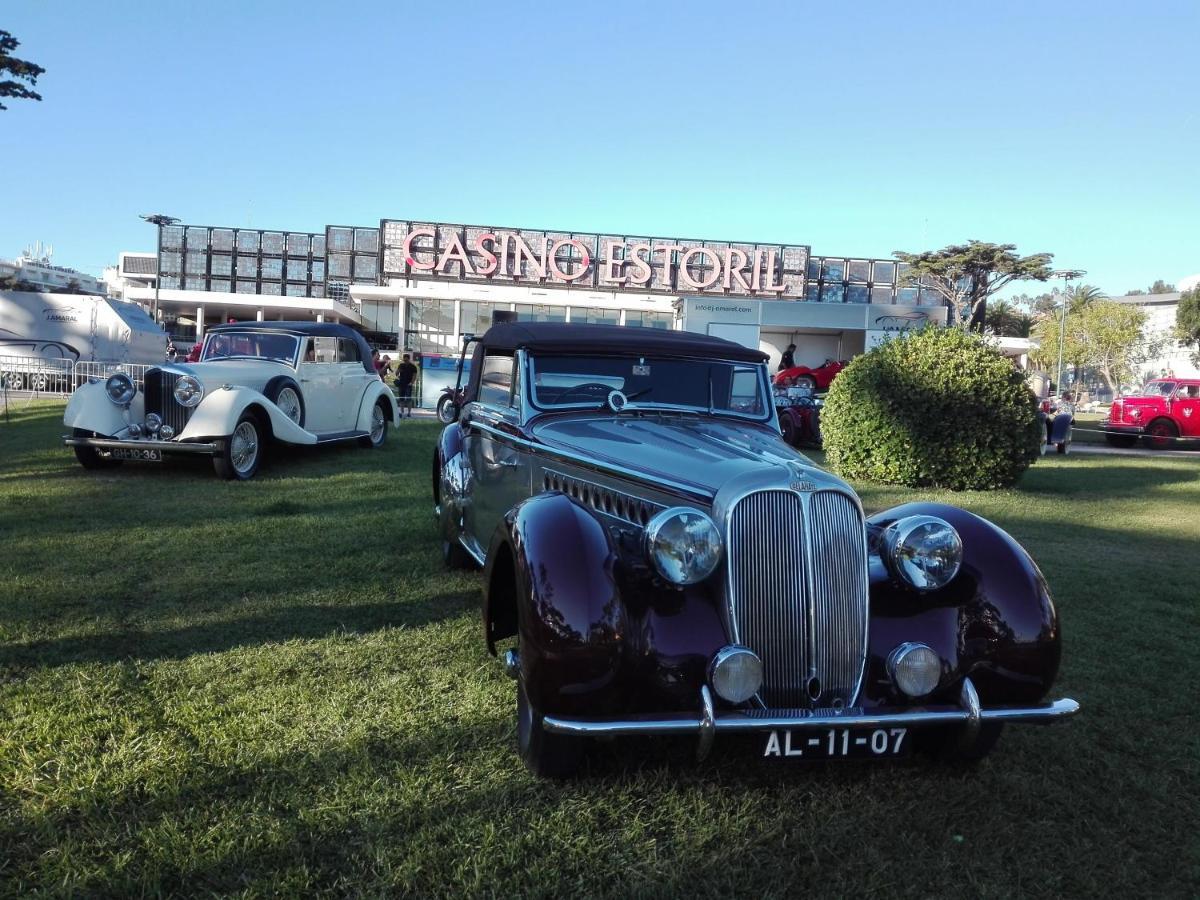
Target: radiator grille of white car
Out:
[160,398]
[798,582]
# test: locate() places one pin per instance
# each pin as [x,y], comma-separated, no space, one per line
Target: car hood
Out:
[702,453]
[251,373]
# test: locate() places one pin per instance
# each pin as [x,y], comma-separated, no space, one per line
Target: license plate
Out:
[838,743]
[137,454]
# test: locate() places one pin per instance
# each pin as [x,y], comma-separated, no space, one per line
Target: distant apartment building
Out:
[1160,323]
[34,267]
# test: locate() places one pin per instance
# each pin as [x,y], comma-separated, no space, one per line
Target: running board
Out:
[336,436]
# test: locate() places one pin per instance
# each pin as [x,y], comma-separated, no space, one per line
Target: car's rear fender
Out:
[219,411]
[995,622]
[551,576]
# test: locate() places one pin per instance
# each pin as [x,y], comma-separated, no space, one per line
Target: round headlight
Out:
[915,669]
[119,388]
[188,390]
[924,551]
[166,432]
[735,673]
[683,544]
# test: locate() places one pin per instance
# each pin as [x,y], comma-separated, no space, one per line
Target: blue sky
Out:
[1071,128]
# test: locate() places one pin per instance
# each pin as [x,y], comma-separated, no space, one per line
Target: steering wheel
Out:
[591,390]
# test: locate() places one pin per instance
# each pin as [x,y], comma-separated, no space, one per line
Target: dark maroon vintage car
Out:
[658,561]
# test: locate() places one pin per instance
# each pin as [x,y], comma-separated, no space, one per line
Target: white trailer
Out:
[43,335]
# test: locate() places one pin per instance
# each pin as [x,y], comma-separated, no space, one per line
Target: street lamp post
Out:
[160,220]
[1066,275]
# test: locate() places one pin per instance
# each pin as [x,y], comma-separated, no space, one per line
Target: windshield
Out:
[1155,389]
[559,382]
[252,345]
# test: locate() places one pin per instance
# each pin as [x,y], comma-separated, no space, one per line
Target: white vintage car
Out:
[294,382]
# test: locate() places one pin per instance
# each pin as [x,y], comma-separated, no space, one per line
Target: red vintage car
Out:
[818,379]
[1164,413]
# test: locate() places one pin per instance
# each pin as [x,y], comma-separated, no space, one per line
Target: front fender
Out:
[219,411]
[569,611]
[89,409]
[995,622]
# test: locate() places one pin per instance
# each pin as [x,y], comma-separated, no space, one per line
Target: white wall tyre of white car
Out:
[378,428]
[242,450]
[285,394]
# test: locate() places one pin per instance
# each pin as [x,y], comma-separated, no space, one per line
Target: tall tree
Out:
[965,275]
[1105,335]
[20,71]
[1187,321]
[1161,287]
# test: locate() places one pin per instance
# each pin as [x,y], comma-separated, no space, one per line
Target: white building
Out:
[34,267]
[1160,323]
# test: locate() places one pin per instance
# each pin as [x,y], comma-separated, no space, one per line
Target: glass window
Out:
[366,240]
[812,292]
[322,350]
[255,344]
[831,293]
[272,242]
[860,270]
[222,239]
[339,265]
[170,262]
[595,315]
[297,269]
[476,317]
[318,289]
[297,244]
[857,293]
[885,272]
[348,351]
[318,270]
[270,288]
[197,263]
[814,267]
[222,265]
[365,267]
[540,312]
[495,381]
[272,268]
[246,287]
[297,290]
[197,238]
[833,270]
[170,281]
[318,245]
[194,283]
[341,239]
[907,296]
[247,241]
[881,295]
[172,237]
[221,285]
[640,318]
[247,266]
[930,297]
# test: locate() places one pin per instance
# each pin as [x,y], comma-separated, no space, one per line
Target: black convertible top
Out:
[305,329]
[570,338]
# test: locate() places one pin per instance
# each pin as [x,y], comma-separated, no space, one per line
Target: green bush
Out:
[936,408]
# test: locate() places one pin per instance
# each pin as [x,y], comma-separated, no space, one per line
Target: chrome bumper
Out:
[164,446]
[969,714]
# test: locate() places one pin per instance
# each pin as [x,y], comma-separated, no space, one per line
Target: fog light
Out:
[135,430]
[166,432]
[735,673]
[915,669]
[153,422]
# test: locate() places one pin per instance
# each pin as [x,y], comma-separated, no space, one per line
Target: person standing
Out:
[788,360]
[406,374]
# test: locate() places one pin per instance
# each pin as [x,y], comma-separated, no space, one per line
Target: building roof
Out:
[604,339]
[1148,299]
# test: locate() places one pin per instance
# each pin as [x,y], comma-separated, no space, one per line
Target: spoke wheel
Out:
[288,402]
[377,433]
[240,456]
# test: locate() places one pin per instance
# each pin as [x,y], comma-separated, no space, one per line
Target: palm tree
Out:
[1023,325]
[1000,318]
[1082,295]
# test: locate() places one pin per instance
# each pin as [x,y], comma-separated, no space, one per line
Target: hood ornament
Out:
[799,480]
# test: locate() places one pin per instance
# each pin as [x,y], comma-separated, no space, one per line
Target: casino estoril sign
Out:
[604,262]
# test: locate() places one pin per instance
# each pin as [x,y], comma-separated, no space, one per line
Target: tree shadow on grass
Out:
[305,622]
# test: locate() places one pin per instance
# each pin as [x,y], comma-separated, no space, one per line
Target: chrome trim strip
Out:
[610,468]
[684,723]
[166,446]
[708,727]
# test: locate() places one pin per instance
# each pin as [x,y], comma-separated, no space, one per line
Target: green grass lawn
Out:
[274,688]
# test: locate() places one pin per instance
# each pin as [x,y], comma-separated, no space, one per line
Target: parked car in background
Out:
[292,382]
[817,379]
[658,561]
[1165,413]
[799,415]
[1058,418]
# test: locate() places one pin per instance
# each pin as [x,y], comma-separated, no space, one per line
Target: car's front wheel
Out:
[239,457]
[544,753]
[89,457]
[1161,434]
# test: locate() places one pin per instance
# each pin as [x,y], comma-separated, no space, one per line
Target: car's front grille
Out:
[798,594]
[160,398]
